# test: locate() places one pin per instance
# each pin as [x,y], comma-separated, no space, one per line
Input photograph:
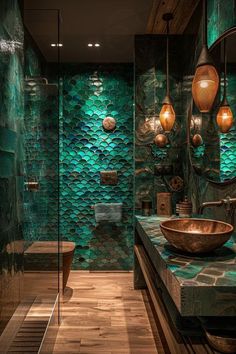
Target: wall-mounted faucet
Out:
[209,205]
[228,202]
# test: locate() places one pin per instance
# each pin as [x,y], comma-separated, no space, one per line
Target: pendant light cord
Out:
[205,19]
[225,69]
[167,18]
[167,59]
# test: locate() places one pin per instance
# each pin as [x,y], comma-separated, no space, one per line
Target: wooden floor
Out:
[103,314]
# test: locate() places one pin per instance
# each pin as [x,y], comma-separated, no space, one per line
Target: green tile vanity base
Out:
[198,286]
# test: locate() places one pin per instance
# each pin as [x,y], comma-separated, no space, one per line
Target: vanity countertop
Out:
[198,285]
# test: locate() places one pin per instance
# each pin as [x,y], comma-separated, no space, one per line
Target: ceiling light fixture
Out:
[97,45]
[224,116]
[56,45]
[206,79]
[167,114]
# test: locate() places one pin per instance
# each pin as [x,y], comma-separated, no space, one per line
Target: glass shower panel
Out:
[30,276]
[11,159]
[41,143]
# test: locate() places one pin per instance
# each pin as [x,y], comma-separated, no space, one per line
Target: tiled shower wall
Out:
[41,136]
[90,93]
[11,157]
[28,152]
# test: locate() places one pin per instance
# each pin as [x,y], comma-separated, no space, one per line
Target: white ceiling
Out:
[113,23]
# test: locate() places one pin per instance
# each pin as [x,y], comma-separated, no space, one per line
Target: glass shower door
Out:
[42,271]
[30,277]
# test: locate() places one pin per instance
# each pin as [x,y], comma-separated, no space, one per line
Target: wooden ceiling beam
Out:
[182,11]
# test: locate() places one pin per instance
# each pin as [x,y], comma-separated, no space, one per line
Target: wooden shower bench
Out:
[50,255]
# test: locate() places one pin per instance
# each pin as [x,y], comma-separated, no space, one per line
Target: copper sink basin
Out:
[196,235]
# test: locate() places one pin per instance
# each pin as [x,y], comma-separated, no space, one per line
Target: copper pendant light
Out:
[224,116]
[206,79]
[167,114]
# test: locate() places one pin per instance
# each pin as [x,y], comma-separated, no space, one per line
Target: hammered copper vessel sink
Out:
[196,235]
[222,341]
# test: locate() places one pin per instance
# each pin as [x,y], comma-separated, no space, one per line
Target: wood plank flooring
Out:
[103,314]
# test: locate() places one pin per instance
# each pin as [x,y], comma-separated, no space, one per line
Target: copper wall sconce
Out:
[160,140]
[109,123]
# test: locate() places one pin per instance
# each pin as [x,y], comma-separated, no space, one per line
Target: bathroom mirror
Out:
[212,153]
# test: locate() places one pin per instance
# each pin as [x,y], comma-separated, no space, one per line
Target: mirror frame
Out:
[224,35]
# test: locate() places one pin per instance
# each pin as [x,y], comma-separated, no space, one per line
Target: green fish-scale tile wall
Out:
[228,140]
[92,92]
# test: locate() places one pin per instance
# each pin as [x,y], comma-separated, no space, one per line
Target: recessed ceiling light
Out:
[90,45]
[97,45]
[56,45]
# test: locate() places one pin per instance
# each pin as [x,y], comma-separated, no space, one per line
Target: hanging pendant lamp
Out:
[224,116]
[206,79]
[167,114]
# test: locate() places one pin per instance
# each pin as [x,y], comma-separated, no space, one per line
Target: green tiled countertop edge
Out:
[198,286]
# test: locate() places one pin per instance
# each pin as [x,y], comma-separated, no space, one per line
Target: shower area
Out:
[93,179]
[31,268]
[66,172]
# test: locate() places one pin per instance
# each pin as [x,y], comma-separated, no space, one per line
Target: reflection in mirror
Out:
[213,153]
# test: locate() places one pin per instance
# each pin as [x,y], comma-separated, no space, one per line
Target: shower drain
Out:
[29,337]
[25,332]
